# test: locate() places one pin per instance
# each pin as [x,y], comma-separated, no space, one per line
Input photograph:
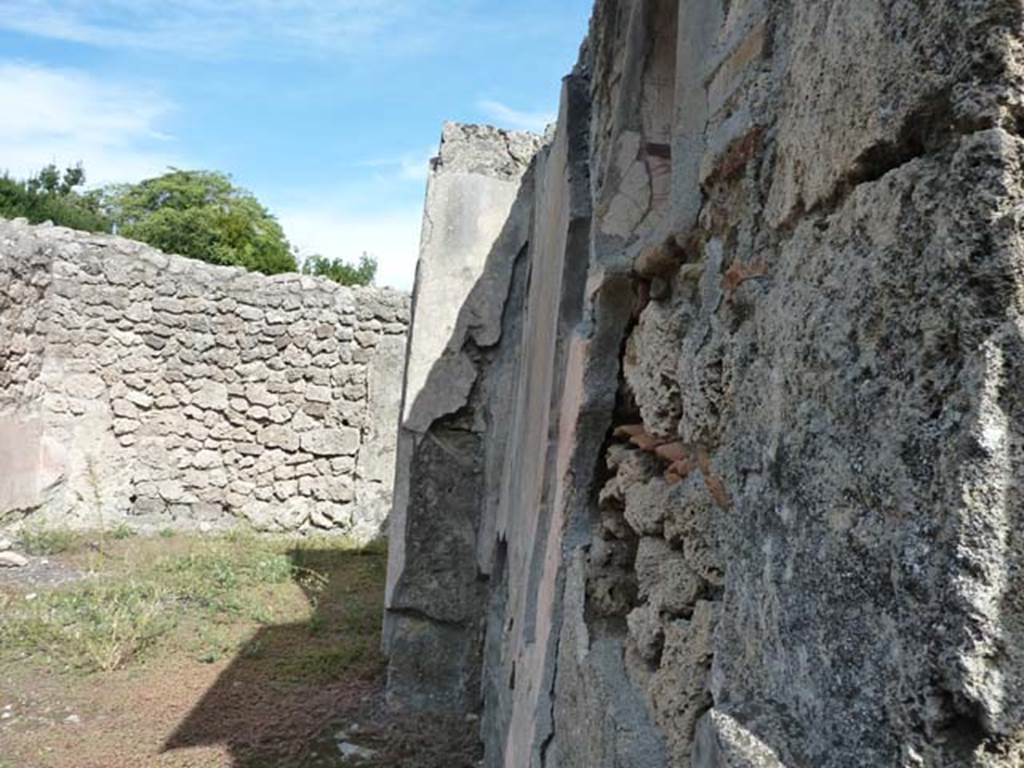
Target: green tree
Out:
[54,196]
[341,271]
[203,215]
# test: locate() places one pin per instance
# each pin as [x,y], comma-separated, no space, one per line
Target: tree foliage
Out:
[54,196]
[199,214]
[341,271]
[203,215]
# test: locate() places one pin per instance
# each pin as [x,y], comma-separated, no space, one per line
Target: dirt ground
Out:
[295,690]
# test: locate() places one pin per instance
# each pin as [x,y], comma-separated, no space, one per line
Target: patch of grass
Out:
[240,536]
[378,546]
[214,642]
[205,596]
[92,627]
[324,665]
[105,623]
[317,625]
[166,533]
[215,578]
[342,637]
[49,541]
[122,531]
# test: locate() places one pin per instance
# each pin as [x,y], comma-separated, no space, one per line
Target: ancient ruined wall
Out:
[756,397]
[450,446]
[161,391]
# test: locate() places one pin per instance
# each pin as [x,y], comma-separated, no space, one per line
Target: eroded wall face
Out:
[760,501]
[27,472]
[152,389]
[466,306]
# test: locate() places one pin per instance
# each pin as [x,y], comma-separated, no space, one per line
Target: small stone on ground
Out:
[12,560]
[353,752]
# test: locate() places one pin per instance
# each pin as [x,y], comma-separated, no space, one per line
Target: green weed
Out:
[328,664]
[122,531]
[49,541]
[205,597]
[91,627]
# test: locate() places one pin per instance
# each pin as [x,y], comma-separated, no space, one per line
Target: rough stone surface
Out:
[170,393]
[733,479]
[12,560]
[474,235]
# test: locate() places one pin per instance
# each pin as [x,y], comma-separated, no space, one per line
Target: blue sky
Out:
[328,110]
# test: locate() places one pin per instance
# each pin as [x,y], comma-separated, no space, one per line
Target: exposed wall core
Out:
[745,445]
[163,392]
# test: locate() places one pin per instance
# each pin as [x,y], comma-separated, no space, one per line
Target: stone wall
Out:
[164,392]
[735,477]
[449,456]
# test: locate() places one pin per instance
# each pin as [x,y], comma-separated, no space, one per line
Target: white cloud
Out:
[507,117]
[338,231]
[408,166]
[416,166]
[212,28]
[65,116]
[379,213]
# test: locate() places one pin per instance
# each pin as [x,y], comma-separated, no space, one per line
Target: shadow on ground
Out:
[293,689]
